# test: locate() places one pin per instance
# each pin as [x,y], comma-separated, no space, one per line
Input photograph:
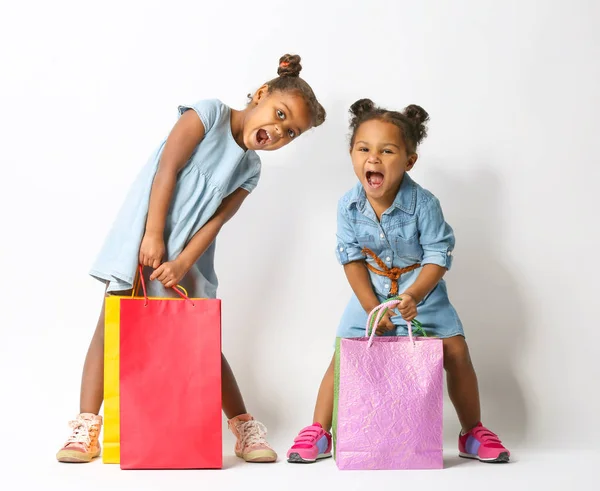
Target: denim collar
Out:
[406,199]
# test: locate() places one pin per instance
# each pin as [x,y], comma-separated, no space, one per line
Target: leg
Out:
[324,407]
[314,442]
[92,378]
[83,445]
[475,441]
[251,444]
[462,382]
[233,403]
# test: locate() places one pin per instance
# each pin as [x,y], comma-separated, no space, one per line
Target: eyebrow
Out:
[385,144]
[291,115]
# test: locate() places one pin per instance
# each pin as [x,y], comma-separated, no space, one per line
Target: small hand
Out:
[152,250]
[407,307]
[169,273]
[385,324]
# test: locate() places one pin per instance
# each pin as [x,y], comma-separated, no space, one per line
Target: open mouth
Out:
[374,179]
[262,137]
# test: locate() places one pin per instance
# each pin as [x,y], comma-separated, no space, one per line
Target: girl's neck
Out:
[237,127]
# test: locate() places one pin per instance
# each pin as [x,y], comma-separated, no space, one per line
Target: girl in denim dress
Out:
[392,239]
[193,183]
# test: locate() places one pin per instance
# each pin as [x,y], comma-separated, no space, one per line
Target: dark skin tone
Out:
[269,122]
[379,147]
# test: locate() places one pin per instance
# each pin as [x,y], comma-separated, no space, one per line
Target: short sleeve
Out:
[251,182]
[208,111]
[347,249]
[435,235]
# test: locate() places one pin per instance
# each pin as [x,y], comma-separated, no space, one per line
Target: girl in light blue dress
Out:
[193,183]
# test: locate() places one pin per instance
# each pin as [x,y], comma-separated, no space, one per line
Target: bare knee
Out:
[100,325]
[330,370]
[456,352]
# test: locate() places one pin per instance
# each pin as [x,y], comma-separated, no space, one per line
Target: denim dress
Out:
[217,167]
[411,232]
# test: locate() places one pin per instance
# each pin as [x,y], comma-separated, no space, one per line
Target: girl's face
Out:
[275,119]
[380,159]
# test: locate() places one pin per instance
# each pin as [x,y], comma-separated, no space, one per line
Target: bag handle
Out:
[377,314]
[140,279]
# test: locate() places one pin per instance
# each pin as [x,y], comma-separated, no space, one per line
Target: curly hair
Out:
[288,80]
[412,121]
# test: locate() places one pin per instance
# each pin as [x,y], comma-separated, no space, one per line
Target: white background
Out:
[87,90]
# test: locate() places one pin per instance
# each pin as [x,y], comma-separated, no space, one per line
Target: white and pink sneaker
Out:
[312,443]
[251,444]
[83,445]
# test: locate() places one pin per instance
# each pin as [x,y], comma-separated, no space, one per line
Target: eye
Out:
[363,149]
[280,114]
[388,151]
[292,133]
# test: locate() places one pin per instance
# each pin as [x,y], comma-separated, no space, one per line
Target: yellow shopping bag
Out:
[111,451]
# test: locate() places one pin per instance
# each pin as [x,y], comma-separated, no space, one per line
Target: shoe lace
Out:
[82,431]
[252,433]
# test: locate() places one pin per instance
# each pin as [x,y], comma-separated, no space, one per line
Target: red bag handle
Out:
[178,288]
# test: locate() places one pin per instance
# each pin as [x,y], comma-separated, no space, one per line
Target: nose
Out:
[373,159]
[278,130]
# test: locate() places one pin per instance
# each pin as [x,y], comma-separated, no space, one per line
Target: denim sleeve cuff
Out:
[250,184]
[347,254]
[443,259]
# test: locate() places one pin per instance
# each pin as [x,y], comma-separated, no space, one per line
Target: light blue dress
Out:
[218,166]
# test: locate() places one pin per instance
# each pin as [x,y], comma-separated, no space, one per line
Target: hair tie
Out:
[284,64]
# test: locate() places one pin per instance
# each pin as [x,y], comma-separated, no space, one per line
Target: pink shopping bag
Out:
[388,404]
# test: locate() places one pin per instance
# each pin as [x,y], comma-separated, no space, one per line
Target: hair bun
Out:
[289,66]
[416,114]
[419,117]
[361,107]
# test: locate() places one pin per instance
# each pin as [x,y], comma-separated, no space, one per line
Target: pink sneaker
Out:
[481,444]
[251,444]
[312,443]
[83,445]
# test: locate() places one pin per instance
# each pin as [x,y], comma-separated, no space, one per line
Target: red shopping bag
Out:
[170,383]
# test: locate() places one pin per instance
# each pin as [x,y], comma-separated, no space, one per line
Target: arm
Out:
[360,282]
[428,278]
[170,273]
[187,133]
[207,234]
[437,240]
[350,255]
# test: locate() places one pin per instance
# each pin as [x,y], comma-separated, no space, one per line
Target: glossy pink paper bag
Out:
[388,405]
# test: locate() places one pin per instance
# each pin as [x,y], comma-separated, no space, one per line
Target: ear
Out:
[412,160]
[260,94]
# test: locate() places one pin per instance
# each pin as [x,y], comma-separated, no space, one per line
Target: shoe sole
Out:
[503,458]
[295,458]
[258,457]
[74,457]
